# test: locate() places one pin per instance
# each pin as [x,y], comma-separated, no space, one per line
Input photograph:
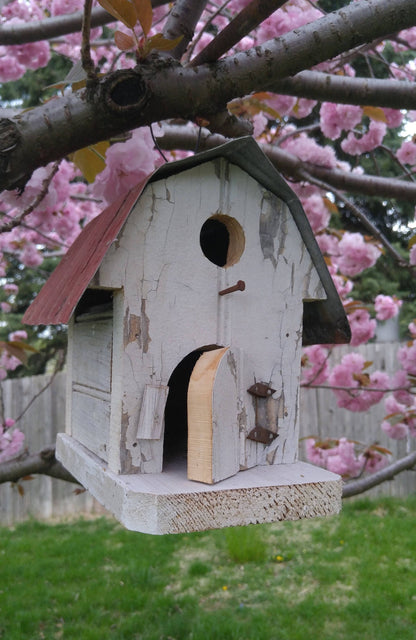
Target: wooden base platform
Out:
[168,502]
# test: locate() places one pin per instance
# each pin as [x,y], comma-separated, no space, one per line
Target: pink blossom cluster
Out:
[11,440]
[315,367]
[386,307]
[54,223]
[126,164]
[363,326]
[341,456]
[309,150]
[317,212]
[356,390]
[406,154]
[336,118]
[368,141]
[16,59]
[355,254]
[294,14]
[406,355]
[290,106]
[400,421]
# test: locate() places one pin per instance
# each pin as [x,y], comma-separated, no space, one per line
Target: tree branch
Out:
[315,85]
[23,33]
[356,487]
[181,137]
[157,91]
[182,21]
[43,463]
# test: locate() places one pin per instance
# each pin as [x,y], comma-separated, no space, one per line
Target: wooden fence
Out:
[46,498]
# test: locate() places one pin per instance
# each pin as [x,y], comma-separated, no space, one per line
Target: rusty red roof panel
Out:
[58,298]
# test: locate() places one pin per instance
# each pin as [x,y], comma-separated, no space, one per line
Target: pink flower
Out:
[10,442]
[127,164]
[412,256]
[308,150]
[401,382]
[315,365]
[395,430]
[355,254]
[394,117]
[372,460]
[363,327]
[386,307]
[10,69]
[336,118]
[406,355]
[317,212]
[342,459]
[350,374]
[407,153]
[369,141]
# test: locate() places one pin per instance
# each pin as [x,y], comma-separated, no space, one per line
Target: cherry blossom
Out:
[367,142]
[349,375]
[11,440]
[336,118]
[355,254]
[386,307]
[315,367]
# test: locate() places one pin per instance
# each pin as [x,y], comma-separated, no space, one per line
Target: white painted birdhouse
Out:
[188,303]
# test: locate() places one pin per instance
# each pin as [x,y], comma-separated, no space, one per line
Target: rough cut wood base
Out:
[167,502]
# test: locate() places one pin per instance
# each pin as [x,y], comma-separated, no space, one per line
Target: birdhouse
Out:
[188,302]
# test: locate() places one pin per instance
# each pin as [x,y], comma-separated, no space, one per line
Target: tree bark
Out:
[356,487]
[162,89]
[43,463]
[315,85]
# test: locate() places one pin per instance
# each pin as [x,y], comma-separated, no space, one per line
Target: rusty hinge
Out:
[262,434]
[261,390]
[265,430]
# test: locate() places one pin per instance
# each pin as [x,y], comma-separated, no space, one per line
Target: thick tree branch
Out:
[43,463]
[315,85]
[180,137]
[26,32]
[356,487]
[154,92]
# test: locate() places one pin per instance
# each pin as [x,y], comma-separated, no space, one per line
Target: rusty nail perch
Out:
[240,286]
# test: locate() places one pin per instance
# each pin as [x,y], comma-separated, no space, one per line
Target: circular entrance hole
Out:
[222,240]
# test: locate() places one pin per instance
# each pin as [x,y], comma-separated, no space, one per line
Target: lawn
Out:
[349,577]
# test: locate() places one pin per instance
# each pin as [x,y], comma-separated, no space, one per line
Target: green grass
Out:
[350,577]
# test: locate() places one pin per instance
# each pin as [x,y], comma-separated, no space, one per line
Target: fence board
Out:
[48,498]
